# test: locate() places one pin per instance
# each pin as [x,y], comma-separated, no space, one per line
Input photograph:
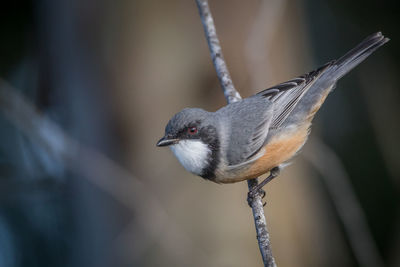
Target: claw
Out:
[263,194]
[258,188]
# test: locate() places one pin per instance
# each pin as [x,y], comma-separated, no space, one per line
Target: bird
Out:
[261,133]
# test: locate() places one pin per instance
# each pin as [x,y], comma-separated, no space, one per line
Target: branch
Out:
[224,77]
[231,96]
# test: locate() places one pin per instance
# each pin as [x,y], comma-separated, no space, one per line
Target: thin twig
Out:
[231,96]
[224,77]
[328,164]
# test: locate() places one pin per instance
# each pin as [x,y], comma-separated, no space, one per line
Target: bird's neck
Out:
[210,137]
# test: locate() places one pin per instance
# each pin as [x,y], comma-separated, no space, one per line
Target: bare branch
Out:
[261,227]
[224,77]
[231,96]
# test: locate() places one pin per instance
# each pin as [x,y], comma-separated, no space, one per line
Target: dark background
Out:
[110,74]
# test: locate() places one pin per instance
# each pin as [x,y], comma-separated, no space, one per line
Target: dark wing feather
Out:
[251,119]
[286,95]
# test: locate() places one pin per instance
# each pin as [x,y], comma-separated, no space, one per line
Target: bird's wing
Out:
[246,126]
[246,145]
[252,117]
[285,96]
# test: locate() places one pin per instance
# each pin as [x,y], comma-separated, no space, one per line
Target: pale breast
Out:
[194,155]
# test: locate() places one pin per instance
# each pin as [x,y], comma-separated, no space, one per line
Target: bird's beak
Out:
[165,141]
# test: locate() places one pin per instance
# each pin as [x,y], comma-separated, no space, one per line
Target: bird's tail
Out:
[331,73]
[356,55]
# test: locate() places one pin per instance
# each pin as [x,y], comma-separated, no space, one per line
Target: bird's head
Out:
[191,135]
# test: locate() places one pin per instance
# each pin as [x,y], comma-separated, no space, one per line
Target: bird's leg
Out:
[258,188]
[272,174]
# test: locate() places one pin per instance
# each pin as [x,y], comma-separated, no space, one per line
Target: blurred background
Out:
[87,88]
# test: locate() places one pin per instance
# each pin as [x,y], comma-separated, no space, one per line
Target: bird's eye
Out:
[192,130]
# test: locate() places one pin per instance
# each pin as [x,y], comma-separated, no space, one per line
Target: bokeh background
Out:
[83,184]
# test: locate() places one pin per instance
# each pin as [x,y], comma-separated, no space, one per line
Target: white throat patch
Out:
[192,154]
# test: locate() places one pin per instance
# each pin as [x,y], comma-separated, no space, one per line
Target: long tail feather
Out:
[356,55]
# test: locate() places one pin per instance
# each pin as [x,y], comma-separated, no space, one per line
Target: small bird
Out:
[261,133]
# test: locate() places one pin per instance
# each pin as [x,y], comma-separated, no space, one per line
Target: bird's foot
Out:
[258,188]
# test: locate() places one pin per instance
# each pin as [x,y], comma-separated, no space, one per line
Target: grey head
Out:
[192,136]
